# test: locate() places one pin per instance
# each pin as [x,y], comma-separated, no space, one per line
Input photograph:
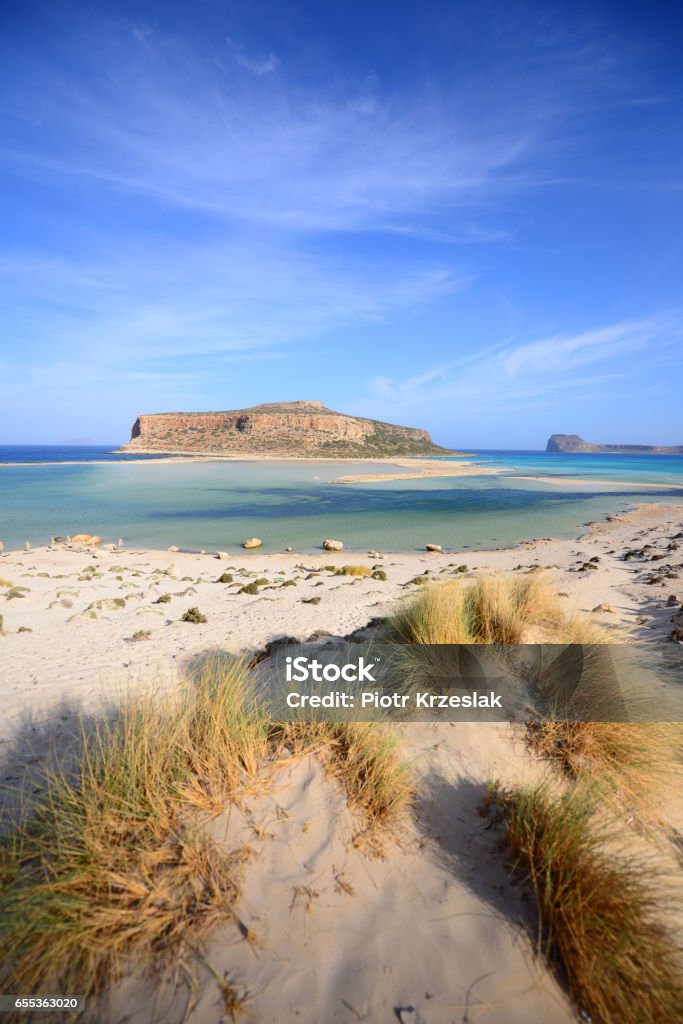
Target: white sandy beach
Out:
[436,925]
[78,648]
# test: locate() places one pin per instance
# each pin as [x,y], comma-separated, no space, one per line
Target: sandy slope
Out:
[435,924]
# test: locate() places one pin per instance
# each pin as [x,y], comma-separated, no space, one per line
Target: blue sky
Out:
[463,216]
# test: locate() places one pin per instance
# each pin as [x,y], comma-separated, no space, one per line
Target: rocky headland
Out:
[574,443]
[304,429]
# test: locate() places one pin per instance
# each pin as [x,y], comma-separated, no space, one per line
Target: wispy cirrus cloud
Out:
[538,372]
[257,64]
[161,122]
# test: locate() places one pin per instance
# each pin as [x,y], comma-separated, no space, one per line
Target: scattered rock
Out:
[672,601]
[24,629]
[253,542]
[333,545]
[311,600]
[436,548]
[222,556]
[379,574]
[607,609]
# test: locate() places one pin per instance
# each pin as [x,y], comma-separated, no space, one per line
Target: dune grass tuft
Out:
[108,859]
[598,909]
[630,758]
[491,610]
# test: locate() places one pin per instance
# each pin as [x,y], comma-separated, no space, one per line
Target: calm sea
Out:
[217,505]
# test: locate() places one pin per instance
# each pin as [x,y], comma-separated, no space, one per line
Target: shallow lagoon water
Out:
[216,505]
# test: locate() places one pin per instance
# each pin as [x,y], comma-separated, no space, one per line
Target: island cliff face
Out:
[283,429]
[574,443]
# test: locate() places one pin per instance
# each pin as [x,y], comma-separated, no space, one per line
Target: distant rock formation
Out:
[281,429]
[574,443]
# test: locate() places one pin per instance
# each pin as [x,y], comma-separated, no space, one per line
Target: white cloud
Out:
[257,64]
[161,123]
[518,375]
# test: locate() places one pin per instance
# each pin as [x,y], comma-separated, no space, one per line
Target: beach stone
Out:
[672,601]
[173,547]
[223,556]
[86,538]
[436,548]
[253,542]
[606,608]
[333,545]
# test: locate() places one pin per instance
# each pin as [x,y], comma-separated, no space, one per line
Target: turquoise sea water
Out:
[217,505]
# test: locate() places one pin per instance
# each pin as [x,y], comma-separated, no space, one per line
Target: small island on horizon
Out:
[573,443]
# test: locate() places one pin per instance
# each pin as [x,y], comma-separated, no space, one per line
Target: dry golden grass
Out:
[598,909]
[632,759]
[110,860]
[491,610]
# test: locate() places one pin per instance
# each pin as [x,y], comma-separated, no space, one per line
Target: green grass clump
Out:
[355,570]
[193,615]
[249,588]
[163,599]
[598,909]
[225,577]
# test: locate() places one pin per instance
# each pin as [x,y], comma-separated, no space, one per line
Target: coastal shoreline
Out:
[68,632]
[161,459]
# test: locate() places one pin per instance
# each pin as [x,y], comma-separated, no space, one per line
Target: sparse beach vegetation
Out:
[111,853]
[601,911]
[491,610]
